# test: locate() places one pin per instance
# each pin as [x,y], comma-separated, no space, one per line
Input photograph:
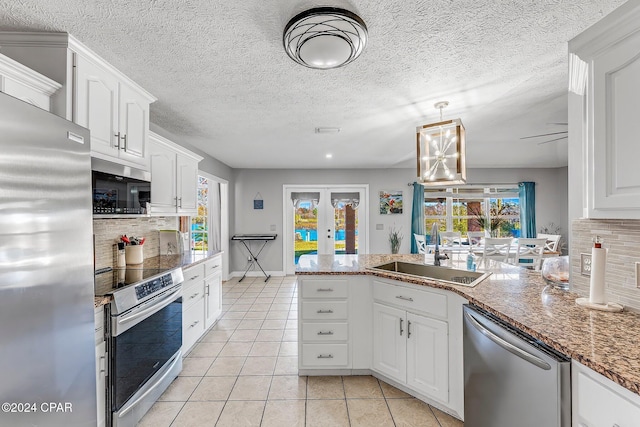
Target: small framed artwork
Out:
[390,202]
[258,203]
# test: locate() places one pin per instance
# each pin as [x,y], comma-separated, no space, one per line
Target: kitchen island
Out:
[608,343]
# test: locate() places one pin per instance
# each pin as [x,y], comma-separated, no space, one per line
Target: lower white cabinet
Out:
[598,401]
[412,349]
[201,299]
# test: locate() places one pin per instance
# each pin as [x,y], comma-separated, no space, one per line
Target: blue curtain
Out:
[417,215]
[527,209]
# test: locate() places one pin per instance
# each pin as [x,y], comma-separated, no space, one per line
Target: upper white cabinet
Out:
[603,103]
[95,94]
[174,177]
[25,84]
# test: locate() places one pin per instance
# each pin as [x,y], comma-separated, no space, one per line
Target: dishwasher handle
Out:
[507,345]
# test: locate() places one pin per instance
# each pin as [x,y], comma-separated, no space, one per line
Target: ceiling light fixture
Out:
[329,155]
[325,37]
[441,151]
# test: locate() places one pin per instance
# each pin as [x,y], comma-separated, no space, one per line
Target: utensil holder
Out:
[134,254]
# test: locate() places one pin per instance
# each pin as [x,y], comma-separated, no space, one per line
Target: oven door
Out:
[144,353]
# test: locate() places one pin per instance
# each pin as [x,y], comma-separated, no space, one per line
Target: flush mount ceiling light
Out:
[441,151]
[325,37]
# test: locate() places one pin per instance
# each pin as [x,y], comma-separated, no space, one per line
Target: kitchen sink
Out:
[446,274]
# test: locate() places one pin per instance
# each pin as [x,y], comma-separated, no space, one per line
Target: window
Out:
[200,223]
[474,208]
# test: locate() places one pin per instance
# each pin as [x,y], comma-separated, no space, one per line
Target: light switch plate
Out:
[585,264]
[379,226]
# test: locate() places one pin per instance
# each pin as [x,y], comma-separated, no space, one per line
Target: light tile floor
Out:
[244,372]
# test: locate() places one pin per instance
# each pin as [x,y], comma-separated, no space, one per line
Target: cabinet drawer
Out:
[413,299]
[599,405]
[192,275]
[212,266]
[193,293]
[325,331]
[192,324]
[325,355]
[324,310]
[317,288]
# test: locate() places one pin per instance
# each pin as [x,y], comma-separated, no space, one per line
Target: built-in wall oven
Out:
[144,340]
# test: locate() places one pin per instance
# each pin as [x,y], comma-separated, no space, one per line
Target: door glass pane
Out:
[200,222]
[306,229]
[346,229]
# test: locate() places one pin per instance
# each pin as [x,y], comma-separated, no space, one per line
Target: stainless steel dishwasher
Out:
[510,378]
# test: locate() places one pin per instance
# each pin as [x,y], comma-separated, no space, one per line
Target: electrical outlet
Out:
[379,226]
[637,274]
[585,264]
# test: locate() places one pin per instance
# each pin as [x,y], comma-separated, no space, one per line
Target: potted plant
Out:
[395,239]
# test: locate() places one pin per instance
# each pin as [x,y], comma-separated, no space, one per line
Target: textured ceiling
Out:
[225,84]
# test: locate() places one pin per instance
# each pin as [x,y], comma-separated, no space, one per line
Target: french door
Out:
[324,220]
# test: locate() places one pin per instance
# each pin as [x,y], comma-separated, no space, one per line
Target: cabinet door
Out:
[428,356]
[162,162]
[389,341]
[187,184]
[96,106]
[213,298]
[616,95]
[133,124]
[101,382]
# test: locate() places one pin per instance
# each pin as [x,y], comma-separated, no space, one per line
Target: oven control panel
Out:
[152,286]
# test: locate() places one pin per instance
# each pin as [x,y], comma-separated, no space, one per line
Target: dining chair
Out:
[496,248]
[475,239]
[450,238]
[552,241]
[421,242]
[529,252]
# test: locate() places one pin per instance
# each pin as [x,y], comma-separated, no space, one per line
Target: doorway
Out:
[324,220]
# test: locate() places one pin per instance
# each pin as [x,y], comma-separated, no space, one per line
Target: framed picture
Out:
[390,202]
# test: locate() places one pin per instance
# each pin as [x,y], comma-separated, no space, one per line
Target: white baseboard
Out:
[256,274]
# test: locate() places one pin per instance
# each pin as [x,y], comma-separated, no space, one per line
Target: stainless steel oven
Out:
[144,345]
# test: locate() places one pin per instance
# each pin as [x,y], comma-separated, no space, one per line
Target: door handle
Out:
[124,138]
[117,144]
[408,328]
[401,330]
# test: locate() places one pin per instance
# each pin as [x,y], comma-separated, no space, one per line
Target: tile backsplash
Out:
[106,231]
[622,240]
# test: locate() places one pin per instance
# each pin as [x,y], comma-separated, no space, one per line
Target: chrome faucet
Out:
[436,255]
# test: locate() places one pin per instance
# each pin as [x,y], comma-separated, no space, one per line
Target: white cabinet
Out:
[410,348]
[25,84]
[193,306]
[174,177]
[213,290]
[602,115]
[598,401]
[323,314]
[101,366]
[95,94]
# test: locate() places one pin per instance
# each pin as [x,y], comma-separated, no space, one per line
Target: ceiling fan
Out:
[555,136]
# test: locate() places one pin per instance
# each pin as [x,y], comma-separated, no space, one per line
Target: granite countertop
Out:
[608,343]
[164,262]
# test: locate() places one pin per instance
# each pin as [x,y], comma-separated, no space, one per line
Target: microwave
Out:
[119,190]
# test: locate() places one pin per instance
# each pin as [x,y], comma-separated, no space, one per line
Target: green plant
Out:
[395,239]
[494,222]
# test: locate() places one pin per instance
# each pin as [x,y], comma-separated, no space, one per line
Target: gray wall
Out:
[551,202]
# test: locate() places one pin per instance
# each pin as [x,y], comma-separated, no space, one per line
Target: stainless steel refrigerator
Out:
[47,347]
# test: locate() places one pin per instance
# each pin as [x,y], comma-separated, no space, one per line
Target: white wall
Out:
[551,202]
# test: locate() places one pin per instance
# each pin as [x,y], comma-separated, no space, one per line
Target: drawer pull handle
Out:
[325,290]
[325,333]
[194,277]
[405,298]
[325,356]
[194,323]
[325,311]
[194,295]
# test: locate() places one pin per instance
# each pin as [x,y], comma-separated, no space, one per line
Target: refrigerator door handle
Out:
[507,345]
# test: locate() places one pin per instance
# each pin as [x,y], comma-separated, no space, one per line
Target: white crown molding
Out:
[26,76]
[65,40]
[176,147]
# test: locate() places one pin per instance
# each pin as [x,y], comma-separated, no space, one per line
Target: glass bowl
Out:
[555,272]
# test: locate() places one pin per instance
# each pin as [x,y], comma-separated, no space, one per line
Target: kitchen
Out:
[250,181]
